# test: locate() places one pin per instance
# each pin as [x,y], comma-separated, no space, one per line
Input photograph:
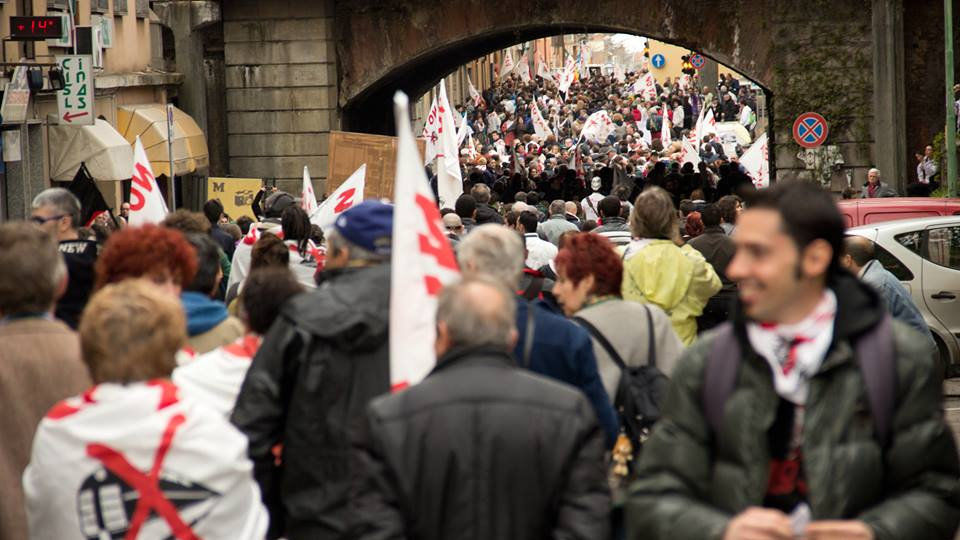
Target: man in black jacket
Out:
[322,361]
[480,448]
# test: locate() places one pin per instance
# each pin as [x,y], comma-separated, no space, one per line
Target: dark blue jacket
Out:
[563,351]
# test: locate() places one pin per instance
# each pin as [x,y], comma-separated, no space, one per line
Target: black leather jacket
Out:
[322,361]
[480,449]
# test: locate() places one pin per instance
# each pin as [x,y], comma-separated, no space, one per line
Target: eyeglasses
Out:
[41,220]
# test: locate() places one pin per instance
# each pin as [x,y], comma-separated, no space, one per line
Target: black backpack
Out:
[641,389]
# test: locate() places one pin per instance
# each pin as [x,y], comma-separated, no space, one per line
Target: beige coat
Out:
[39,366]
[224,333]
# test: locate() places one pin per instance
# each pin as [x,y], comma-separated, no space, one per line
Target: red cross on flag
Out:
[422,261]
[508,63]
[755,161]
[137,461]
[540,126]
[597,127]
[348,194]
[146,201]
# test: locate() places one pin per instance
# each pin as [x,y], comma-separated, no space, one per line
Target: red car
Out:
[857,212]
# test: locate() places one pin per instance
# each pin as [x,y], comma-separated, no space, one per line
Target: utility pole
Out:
[951,127]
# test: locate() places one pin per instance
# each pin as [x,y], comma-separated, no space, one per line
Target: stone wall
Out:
[281,89]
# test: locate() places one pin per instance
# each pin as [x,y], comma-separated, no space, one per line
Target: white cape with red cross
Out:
[138,461]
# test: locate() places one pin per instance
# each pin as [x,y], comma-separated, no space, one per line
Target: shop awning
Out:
[149,122]
[107,154]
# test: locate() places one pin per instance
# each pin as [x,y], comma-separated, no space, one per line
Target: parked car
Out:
[924,254]
[858,212]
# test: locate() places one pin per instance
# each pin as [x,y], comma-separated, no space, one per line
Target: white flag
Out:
[755,161]
[665,138]
[690,153]
[449,181]
[308,200]
[474,95]
[618,73]
[709,126]
[464,130]
[421,259]
[146,201]
[523,68]
[597,127]
[508,64]
[348,194]
[645,134]
[646,86]
[566,77]
[493,122]
[540,126]
[431,132]
[543,72]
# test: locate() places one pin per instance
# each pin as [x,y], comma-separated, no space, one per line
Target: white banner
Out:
[449,181]
[543,72]
[308,199]
[422,261]
[597,127]
[646,86]
[464,130]
[665,138]
[477,98]
[508,64]
[493,122]
[146,201]
[566,76]
[756,162]
[540,126]
[348,194]
[431,132]
[709,126]
[523,68]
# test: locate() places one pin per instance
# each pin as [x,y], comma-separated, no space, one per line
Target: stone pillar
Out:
[889,102]
[25,178]
[281,88]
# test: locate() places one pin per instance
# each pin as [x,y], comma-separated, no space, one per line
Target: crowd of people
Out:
[635,349]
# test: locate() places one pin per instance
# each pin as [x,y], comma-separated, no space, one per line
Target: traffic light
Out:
[685,65]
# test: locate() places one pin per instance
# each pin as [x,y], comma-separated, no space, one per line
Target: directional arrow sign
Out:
[76,99]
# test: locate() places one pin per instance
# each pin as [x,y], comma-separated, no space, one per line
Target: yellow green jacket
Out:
[676,279]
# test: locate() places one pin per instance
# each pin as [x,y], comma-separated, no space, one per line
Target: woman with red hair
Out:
[159,254]
[589,275]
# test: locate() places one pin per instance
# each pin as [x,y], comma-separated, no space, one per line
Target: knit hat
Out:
[368,225]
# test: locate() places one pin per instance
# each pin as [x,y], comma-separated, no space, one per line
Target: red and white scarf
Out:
[795,351]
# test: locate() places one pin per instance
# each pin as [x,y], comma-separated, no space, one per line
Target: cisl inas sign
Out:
[75,101]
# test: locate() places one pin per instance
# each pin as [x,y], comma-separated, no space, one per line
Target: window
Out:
[943,247]
[59,4]
[99,6]
[143,8]
[892,264]
[119,7]
[911,241]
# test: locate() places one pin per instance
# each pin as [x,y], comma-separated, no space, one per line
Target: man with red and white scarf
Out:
[131,457]
[812,414]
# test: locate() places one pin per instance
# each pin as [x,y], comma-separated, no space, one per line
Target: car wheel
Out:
[947,367]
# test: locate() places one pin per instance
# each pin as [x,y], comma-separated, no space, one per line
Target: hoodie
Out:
[203,313]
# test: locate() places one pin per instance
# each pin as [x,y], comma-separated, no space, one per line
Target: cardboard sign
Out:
[235,194]
[348,151]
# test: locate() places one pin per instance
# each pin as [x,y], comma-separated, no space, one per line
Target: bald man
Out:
[859,258]
[473,422]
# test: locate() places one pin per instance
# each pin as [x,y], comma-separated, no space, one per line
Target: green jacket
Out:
[691,482]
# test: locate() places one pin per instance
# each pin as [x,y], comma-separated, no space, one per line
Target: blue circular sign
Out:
[658,61]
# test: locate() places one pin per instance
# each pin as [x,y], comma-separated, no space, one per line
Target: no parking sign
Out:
[810,130]
[697,61]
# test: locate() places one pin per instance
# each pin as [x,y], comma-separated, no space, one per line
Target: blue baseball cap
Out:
[368,225]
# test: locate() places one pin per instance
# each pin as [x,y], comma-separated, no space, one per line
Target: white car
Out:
[924,254]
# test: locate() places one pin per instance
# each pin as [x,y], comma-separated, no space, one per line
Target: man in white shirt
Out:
[539,251]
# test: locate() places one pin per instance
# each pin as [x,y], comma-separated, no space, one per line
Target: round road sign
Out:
[658,60]
[810,130]
[697,61]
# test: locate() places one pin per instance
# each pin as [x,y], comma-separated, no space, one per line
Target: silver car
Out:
[924,254]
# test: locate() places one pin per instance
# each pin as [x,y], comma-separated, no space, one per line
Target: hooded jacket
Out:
[678,280]
[323,360]
[208,324]
[693,481]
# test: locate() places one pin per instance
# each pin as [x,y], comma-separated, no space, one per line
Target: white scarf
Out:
[795,351]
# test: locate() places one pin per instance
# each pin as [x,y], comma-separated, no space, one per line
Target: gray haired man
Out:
[57,211]
[876,188]
[557,223]
[478,409]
